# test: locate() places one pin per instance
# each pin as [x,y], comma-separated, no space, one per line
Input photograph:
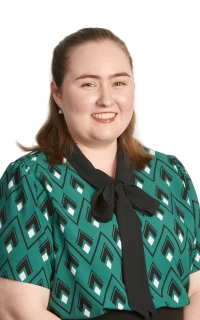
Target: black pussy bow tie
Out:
[119,196]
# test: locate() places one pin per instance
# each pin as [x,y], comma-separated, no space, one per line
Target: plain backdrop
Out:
[163,37]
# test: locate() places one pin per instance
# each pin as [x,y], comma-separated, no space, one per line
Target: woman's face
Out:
[97,94]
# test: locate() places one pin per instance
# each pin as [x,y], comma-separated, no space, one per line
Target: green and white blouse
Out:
[48,236]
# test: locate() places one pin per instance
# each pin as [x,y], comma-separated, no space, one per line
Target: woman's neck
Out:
[102,157]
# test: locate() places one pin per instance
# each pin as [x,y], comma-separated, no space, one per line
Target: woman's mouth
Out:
[104,116]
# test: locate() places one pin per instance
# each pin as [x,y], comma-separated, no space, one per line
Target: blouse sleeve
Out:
[25,233]
[192,201]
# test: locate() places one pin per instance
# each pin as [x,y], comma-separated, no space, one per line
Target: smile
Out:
[103,115]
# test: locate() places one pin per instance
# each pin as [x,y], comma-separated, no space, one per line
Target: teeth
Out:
[103,115]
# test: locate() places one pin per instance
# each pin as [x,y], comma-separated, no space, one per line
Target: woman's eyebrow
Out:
[119,74]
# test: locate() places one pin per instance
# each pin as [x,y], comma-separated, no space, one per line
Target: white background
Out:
[163,37]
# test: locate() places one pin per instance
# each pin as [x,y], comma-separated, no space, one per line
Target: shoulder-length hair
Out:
[54,138]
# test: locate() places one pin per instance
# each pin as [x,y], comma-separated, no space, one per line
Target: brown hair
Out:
[53,138]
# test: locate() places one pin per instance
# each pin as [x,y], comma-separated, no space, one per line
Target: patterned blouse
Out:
[48,236]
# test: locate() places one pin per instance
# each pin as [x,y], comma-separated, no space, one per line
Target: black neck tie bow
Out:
[120,196]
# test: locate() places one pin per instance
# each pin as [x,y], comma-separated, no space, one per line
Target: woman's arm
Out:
[24,301]
[192,311]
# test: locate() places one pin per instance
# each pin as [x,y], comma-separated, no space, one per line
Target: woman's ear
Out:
[56,94]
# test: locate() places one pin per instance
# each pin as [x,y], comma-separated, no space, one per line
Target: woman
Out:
[93,224]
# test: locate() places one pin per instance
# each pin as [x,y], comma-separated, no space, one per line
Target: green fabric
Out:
[49,238]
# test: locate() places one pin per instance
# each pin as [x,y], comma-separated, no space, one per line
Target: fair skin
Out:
[23,301]
[97,98]
[97,110]
[192,311]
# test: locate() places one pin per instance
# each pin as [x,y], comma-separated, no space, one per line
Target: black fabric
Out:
[162,314]
[119,196]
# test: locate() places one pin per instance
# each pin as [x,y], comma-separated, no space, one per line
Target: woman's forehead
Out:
[98,55]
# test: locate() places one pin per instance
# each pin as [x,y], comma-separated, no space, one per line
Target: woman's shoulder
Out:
[33,162]
[167,171]
[25,164]
[33,171]
[168,160]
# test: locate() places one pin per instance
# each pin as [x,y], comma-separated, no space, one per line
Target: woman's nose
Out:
[105,98]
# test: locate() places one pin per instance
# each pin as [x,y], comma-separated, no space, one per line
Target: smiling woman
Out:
[94,224]
[75,62]
[96,109]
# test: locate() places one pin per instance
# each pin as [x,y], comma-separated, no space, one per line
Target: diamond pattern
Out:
[48,236]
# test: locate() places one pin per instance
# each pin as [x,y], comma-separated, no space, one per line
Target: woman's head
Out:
[98,52]
[97,93]
[54,136]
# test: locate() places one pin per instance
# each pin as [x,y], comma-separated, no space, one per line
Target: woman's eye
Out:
[87,85]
